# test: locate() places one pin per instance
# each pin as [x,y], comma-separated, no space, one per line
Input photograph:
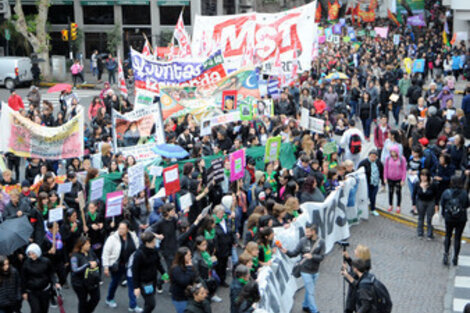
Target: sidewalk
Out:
[91,81]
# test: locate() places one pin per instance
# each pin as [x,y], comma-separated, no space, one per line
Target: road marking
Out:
[459,304]
[464,260]
[462,282]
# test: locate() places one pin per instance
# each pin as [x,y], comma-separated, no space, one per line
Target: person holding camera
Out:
[85,275]
[312,250]
[363,253]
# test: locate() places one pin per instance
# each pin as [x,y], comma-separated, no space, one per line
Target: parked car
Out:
[15,71]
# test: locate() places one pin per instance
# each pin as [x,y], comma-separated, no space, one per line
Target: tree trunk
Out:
[38,39]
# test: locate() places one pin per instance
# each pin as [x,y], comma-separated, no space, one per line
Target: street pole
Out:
[69,28]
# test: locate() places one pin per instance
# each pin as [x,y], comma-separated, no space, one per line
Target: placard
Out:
[304,118]
[136,179]
[336,39]
[246,111]
[273,147]
[237,165]
[114,203]
[171,180]
[216,171]
[56,214]
[64,188]
[330,147]
[186,201]
[316,124]
[81,200]
[156,170]
[96,160]
[229,100]
[396,39]
[206,127]
[96,188]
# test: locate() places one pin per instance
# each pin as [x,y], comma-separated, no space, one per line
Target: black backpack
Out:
[382,299]
[453,206]
[355,144]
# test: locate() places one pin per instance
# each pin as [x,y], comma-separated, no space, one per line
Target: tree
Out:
[36,32]
[114,39]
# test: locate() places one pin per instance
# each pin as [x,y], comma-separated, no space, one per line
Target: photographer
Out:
[363,253]
[312,250]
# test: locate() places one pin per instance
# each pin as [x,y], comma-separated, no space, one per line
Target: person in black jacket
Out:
[424,199]
[224,240]
[145,265]
[454,203]
[182,275]
[85,275]
[240,279]
[248,297]
[367,112]
[374,174]
[37,279]
[10,294]
[198,302]
[365,293]
[71,198]
[33,169]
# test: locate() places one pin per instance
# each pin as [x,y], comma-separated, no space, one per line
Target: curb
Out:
[408,221]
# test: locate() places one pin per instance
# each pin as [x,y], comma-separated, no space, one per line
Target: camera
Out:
[343,244]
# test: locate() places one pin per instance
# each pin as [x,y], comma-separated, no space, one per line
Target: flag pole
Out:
[147,40]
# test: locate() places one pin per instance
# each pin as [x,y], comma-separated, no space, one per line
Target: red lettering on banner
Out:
[233,34]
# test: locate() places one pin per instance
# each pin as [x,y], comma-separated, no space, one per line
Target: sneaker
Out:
[137,309]
[124,283]
[159,289]
[375,213]
[101,282]
[445,260]
[111,303]
[398,210]
[216,298]
[53,302]
[390,209]
[429,238]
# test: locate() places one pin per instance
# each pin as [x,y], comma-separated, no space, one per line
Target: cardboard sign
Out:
[186,201]
[56,214]
[273,147]
[96,188]
[330,147]
[316,125]
[64,188]
[136,179]
[114,203]
[229,100]
[81,200]
[237,165]
[96,160]
[171,180]
[304,118]
[156,170]
[246,111]
[396,39]
[216,172]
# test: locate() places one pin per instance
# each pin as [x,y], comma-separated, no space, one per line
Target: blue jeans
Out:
[366,126]
[372,196]
[115,280]
[180,306]
[353,105]
[309,282]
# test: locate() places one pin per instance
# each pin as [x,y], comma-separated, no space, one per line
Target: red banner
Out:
[333,10]
[171,180]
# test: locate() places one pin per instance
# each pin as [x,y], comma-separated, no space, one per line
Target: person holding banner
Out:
[312,251]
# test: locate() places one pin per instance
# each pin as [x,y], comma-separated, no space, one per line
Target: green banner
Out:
[416,6]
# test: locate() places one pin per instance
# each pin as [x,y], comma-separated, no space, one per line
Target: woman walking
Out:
[394,175]
[182,275]
[9,286]
[85,275]
[423,200]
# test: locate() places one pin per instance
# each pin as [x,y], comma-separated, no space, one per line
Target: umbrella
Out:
[15,234]
[59,87]
[170,151]
[60,301]
[336,75]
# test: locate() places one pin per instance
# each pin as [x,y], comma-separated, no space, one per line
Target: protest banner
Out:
[418,66]
[237,165]
[56,214]
[27,139]
[333,217]
[316,124]
[381,31]
[171,180]
[215,174]
[96,188]
[273,147]
[206,100]
[64,188]
[144,98]
[265,32]
[151,74]
[114,203]
[136,179]
[416,20]
[134,132]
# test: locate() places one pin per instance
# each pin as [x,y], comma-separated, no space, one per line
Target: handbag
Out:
[92,278]
[436,220]
[298,265]
[148,289]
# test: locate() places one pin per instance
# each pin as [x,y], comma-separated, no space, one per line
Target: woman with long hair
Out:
[9,286]
[182,275]
[85,275]
[265,243]
[198,302]
[424,198]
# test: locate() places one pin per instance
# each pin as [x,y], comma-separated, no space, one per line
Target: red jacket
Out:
[15,102]
[320,106]
[380,137]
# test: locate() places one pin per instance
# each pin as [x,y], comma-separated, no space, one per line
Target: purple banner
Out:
[416,20]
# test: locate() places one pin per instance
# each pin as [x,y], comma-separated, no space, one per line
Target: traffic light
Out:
[65,34]
[73,31]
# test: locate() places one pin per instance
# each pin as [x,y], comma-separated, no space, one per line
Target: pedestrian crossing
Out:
[81,94]
[462,281]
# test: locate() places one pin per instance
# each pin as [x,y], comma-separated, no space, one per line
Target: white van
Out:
[15,71]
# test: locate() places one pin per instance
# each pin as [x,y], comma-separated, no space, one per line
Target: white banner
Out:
[348,202]
[235,34]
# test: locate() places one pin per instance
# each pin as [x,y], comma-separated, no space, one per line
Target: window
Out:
[58,14]
[98,14]
[136,14]
[95,41]
[169,15]
[58,46]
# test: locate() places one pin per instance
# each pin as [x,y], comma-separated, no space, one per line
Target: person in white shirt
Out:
[346,142]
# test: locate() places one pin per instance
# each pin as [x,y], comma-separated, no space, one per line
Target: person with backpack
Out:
[352,141]
[454,204]
[429,159]
[374,174]
[371,294]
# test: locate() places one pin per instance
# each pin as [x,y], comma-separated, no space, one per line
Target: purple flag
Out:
[416,20]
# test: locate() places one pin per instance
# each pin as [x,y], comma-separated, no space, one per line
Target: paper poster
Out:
[237,165]
[273,147]
[144,98]
[81,200]
[346,39]
[396,39]
[96,188]
[329,38]
[330,147]
[381,32]
[186,201]
[361,33]
[96,160]
[56,214]
[114,203]
[264,107]
[246,111]
[418,66]
[336,39]
[215,174]
[321,39]
[155,170]
[171,180]
[206,127]
[64,188]
[229,100]
[304,118]
[136,179]
[316,125]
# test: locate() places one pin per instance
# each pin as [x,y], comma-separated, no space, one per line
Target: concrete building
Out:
[95,18]
[461,12]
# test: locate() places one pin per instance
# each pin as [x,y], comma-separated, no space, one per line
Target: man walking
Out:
[374,174]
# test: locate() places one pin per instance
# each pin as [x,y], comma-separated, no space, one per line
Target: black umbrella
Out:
[15,233]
